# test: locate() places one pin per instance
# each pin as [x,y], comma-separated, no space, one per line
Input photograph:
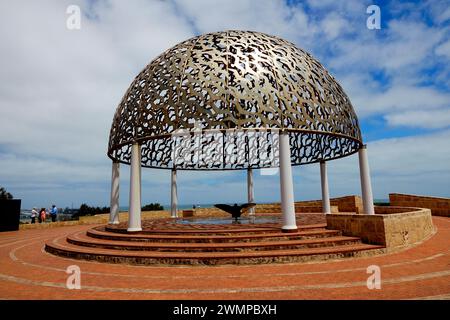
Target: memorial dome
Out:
[219,101]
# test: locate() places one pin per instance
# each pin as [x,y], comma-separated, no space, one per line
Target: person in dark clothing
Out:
[53,212]
[34,214]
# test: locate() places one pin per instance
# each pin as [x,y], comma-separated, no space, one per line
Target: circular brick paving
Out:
[28,272]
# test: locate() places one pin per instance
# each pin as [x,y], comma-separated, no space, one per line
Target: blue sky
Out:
[59,90]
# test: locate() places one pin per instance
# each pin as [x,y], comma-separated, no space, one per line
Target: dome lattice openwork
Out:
[219,100]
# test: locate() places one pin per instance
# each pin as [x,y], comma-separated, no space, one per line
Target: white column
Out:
[114,203]
[250,194]
[134,212]
[286,185]
[174,197]
[366,185]
[324,182]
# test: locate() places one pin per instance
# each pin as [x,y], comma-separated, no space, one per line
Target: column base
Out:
[113,222]
[134,229]
[289,229]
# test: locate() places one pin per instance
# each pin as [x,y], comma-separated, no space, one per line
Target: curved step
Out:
[208,258]
[180,237]
[206,230]
[83,240]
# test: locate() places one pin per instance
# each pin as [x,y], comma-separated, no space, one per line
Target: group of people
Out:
[42,214]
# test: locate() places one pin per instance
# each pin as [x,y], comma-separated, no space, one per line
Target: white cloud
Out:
[434,119]
[443,49]
[61,87]
[406,45]
[333,25]
[440,10]
[351,7]
[369,98]
[272,17]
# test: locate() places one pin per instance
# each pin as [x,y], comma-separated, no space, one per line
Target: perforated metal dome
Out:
[219,100]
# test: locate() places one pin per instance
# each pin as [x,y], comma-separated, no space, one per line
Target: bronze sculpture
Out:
[235,210]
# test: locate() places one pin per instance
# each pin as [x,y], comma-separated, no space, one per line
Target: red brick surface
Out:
[27,272]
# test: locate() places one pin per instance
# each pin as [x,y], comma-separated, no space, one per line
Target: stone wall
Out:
[300,208]
[393,227]
[344,204]
[199,213]
[438,206]
[47,225]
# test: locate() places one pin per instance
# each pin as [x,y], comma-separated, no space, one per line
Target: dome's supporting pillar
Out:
[250,194]
[286,185]
[366,185]
[114,201]
[134,212]
[326,207]
[173,194]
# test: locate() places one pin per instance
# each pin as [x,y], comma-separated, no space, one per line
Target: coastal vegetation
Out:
[152,207]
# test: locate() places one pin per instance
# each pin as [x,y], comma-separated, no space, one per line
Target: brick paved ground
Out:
[27,272]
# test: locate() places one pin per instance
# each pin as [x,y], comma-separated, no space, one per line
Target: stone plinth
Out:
[187,213]
[393,227]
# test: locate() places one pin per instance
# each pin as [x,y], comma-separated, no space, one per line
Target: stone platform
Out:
[166,241]
[28,272]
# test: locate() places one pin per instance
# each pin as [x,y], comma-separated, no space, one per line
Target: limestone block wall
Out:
[47,225]
[344,204]
[268,208]
[300,208]
[199,213]
[393,227]
[438,206]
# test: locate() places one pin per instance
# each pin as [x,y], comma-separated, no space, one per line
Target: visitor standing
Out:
[34,214]
[53,212]
[42,215]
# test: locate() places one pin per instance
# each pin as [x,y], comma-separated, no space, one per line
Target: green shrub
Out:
[86,210]
[152,207]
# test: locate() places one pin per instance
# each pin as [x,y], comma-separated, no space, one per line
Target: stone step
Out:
[182,237]
[86,241]
[206,230]
[63,248]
